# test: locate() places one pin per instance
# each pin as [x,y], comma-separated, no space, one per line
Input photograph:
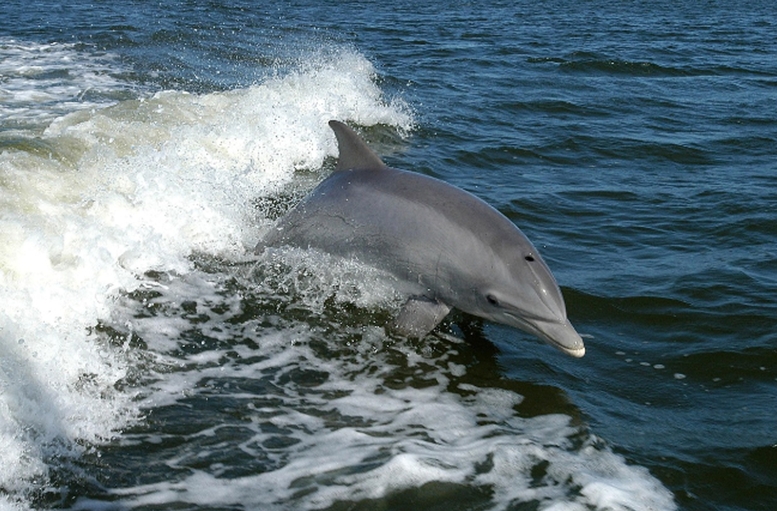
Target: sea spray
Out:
[100,196]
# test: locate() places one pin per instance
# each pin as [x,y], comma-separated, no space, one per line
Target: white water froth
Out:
[101,196]
[39,82]
[369,419]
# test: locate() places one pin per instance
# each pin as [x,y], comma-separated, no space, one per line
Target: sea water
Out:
[150,360]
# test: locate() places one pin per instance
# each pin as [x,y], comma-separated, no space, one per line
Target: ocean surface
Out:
[149,360]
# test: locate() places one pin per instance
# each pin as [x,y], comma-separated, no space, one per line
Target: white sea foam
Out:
[104,195]
[41,81]
[360,426]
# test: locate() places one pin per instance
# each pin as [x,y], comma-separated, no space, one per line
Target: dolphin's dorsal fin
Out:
[354,153]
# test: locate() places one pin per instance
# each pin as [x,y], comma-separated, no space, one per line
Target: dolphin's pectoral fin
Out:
[419,316]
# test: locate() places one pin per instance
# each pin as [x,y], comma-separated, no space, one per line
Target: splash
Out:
[112,190]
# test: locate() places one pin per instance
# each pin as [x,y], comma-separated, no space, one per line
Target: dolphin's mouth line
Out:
[532,324]
[575,352]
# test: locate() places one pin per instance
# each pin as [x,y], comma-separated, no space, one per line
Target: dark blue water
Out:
[146,146]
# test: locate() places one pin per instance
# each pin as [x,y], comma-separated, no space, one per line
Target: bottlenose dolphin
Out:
[446,247]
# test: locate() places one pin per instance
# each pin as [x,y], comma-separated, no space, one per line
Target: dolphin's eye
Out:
[491,299]
[529,258]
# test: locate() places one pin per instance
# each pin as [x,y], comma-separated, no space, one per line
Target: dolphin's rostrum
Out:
[445,246]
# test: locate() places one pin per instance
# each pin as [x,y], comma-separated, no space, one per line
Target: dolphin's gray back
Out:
[401,222]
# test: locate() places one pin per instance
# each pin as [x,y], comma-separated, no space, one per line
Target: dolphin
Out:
[446,247]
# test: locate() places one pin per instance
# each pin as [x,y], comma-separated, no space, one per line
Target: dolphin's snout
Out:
[563,336]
